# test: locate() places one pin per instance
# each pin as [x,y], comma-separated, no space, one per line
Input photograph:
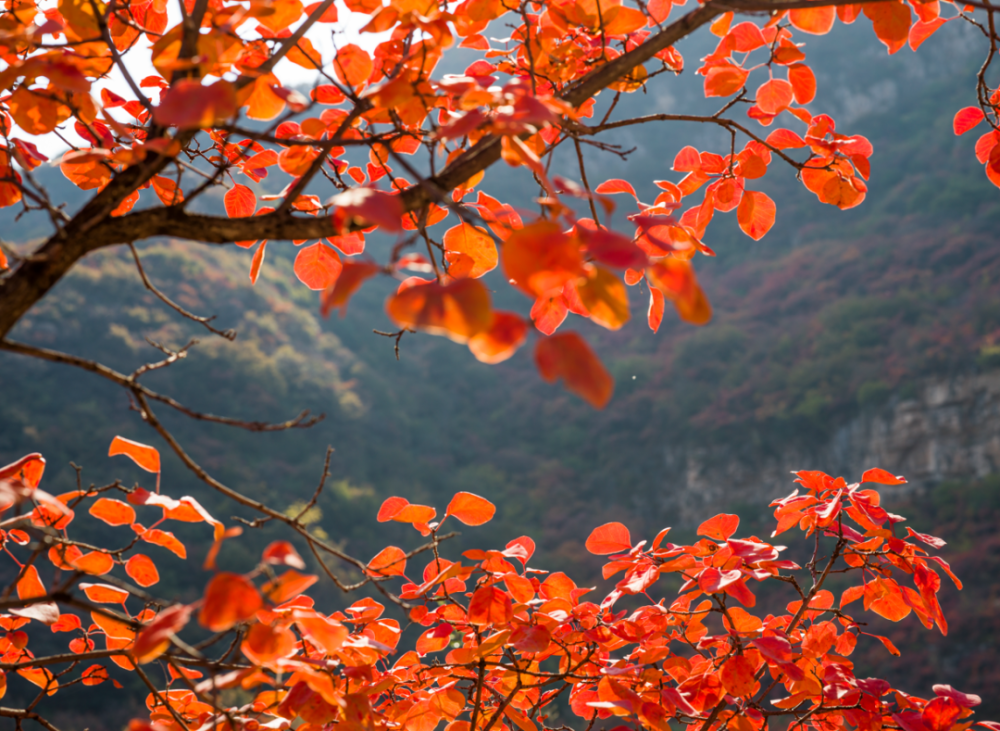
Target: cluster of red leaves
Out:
[500,640]
[514,91]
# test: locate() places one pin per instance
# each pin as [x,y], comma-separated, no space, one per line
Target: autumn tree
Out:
[382,144]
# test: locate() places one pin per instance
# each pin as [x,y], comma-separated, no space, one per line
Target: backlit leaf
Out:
[142,570]
[390,561]
[567,356]
[609,538]
[240,201]
[490,605]
[142,454]
[318,266]
[470,251]
[721,527]
[501,340]
[471,509]
[817,21]
[113,512]
[755,213]
[458,310]
[966,119]
[104,593]
[229,599]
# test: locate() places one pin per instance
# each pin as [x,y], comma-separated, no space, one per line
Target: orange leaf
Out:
[142,570]
[371,206]
[922,30]
[266,644]
[29,586]
[104,593]
[391,506]
[154,638]
[817,21]
[605,298]
[94,675]
[724,80]
[240,201]
[616,186]
[470,509]
[721,527]
[143,455]
[318,266]
[609,538]
[229,600]
[470,251]
[113,512]
[411,513]
[352,276]
[774,96]
[353,65]
[28,469]
[966,119]
[390,561]
[95,563]
[190,105]
[283,553]
[567,356]
[657,304]
[505,335]
[890,21]
[166,539]
[737,676]
[257,261]
[490,605]
[290,584]
[458,310]
[540,258]
[675,279]
[882,477]
[803,82]
[755,214]
[327,634]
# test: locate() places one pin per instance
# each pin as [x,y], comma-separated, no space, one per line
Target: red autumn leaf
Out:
[257,261]
[471,509]
[142,570]
[240,201]
[737,676]
[189,105]
[353,65]
[609,538]
[411,513]
[784,139]
[616,185]
[104,593]
[318,266]
[29,586]
[755,214]
[287,586]
[390,507]
[229,599]
[803,83]
[531,638]
[470,251]
[890,21]
[113,512]
[29,469]
[567,356]
[490,605]
[143,455]
[352,276]
[922,30]
[777,649]
[676,280]
[154,638]
[724,80]
[282,553]
[882,477]
[775,96]
[721,527]
[458,310]
[817,21]
[165,539]
[390,561]
[540,258]
[94,675]
[371,206]
[966,119]
[501,340]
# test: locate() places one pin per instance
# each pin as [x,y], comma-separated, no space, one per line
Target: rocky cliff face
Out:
[949,430]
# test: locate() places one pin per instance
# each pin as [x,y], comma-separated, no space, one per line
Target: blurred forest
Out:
[832,313]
